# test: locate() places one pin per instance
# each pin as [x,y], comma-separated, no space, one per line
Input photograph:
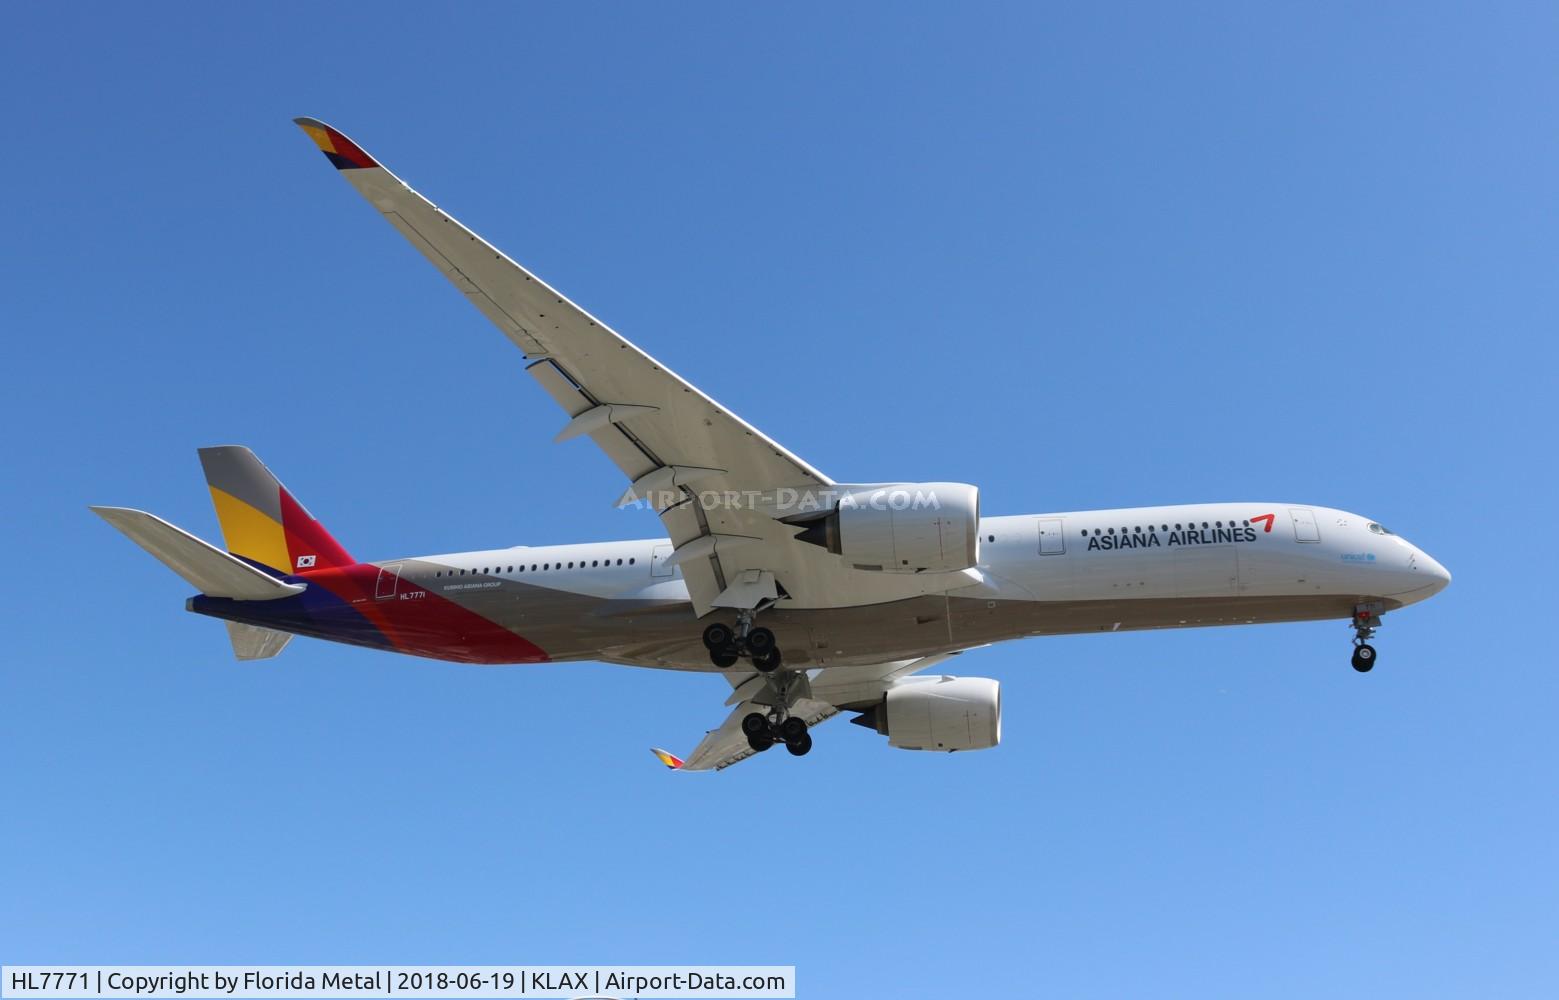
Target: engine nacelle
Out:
[938,713]
[905,528]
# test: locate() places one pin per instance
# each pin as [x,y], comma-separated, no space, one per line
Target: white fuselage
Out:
[1207,550]
[1136,568]
[1185,551]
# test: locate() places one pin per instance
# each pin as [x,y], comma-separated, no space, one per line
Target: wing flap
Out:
[619,447]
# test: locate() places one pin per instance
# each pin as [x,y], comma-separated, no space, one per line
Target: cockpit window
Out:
[1380,529]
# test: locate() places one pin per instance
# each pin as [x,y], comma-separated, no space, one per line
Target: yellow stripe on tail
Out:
[250,533]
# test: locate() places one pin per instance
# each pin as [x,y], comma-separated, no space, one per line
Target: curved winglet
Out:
[671,760]
[343,152]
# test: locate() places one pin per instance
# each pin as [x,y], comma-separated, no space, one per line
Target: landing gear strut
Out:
[727,645]
[773,723]
[1366,619]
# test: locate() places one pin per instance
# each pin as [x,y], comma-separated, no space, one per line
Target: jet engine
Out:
[938,713]
[903,528]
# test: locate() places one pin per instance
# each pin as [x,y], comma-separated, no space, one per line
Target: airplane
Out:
[809,596]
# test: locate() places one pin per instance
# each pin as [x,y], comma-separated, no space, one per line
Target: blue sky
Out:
[1082,257]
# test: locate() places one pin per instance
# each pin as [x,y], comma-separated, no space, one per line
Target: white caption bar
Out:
[369,982]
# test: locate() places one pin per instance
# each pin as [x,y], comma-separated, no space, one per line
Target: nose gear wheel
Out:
[1366,619]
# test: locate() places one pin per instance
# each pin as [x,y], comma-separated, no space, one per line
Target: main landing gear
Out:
[772,723]
[727,645]
[777,726]
[1366,619]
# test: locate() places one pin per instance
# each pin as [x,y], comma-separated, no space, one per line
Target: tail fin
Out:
[261,521]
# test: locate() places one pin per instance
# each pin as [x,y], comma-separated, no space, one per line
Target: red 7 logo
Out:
[1267,518]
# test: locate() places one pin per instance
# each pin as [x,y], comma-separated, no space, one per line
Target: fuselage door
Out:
[389,576]
[658,564]
[1051,540]
[1305,528]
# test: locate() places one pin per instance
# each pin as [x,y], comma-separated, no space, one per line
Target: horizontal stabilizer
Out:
[250,642]
[212,571]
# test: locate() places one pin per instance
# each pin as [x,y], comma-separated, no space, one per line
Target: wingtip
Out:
[342,152]
[668,758]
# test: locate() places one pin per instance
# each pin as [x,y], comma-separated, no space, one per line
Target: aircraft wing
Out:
[670,439]
[828,692]
[724,746]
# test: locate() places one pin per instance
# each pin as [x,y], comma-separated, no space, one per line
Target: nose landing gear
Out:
[1366,619]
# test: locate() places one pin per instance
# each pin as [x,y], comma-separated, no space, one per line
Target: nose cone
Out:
[1426,576]
[1419,576]
[1438,574]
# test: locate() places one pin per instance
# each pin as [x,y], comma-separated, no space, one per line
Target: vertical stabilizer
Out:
[261,521]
